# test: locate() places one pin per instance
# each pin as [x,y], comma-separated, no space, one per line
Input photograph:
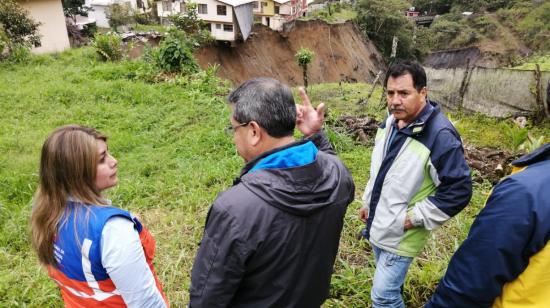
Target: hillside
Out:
[174,158]
[500,48]
[341,54]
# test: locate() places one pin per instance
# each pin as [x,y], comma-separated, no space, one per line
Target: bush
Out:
[19,54]
[119,15]
[444,31]
[193,26]
[485,25]
[380,22]
[3,40]
[175,54]
[108,46]
[18,28]
[145,18]
[89,30]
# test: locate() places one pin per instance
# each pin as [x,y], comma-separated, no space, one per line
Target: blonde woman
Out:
[99,255]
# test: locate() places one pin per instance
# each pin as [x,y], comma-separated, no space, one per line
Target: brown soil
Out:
[488,163]
[341,54]
[488,52]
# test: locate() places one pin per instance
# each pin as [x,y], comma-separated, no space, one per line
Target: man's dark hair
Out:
[266,101]
[408,67]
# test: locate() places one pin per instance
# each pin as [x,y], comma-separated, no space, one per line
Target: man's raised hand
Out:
[309,120]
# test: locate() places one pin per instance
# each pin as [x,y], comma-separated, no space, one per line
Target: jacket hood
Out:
[300,190]
[540,154]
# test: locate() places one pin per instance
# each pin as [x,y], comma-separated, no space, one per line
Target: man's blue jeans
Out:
[389,277]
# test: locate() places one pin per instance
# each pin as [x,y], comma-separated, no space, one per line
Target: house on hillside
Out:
[274,13]
[99,7]
[411,12]
[53,31]
[166,8]
[228,20]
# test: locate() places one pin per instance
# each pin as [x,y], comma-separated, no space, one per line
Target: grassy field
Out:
[173,160]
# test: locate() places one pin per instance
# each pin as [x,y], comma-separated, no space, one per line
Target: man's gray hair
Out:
[266,101]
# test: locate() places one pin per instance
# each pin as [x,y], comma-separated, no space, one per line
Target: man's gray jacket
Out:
[272,238]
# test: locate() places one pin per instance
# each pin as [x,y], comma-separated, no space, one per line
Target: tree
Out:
[381,20]
[304,57]
[71,8]
[19,29]
[433,7]
[189,22]
[192,25]
[119,15]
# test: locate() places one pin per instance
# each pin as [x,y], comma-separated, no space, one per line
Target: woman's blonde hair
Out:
[68,166]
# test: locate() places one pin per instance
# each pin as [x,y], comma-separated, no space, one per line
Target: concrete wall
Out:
[53,31]
[218,32]
[494,92]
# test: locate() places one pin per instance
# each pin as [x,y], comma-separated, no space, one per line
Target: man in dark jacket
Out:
[272,238]
[505,261]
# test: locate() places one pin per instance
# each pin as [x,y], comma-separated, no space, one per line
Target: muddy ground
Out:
[341,54]
[487,164]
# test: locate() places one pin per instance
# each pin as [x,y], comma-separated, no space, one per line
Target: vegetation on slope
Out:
[505,26]
[173,160]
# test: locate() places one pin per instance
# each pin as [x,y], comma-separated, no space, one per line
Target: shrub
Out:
[192,25]
[89,30]
[303,58]
[108,46]
[119,15]
[485,25]
[145,18]
[3,40]
[175,54]
[19,54]
[18,28]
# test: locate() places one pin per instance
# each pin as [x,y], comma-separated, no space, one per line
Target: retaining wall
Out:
[495,92]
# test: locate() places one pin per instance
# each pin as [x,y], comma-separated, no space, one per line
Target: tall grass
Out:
[173,161]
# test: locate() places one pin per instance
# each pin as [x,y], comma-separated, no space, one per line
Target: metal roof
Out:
[235,3]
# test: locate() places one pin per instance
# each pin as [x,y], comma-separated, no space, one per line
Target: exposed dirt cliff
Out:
[341,54]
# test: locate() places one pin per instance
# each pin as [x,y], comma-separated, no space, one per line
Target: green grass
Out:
[158,28]
[530,64]
[173,160]
[344,13]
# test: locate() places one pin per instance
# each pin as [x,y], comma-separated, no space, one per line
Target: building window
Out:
[218,26]
[256,5]
[276,9]
[203,8]
[182,7]
[264,4]
[166,6]
[221,9]
[228,28]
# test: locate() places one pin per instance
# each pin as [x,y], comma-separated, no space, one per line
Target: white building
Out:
[229,20]
[99,7]
[52,29]
[166,8]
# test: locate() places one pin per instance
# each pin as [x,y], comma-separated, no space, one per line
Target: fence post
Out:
[541,108]
[464,84]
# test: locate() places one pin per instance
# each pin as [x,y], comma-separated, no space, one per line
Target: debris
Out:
[362,128]
[486,164]
[521,121]
[490,164]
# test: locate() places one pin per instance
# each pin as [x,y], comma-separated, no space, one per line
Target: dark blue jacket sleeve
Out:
[455,188]
[322,142]
[496,250]
[219,265]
